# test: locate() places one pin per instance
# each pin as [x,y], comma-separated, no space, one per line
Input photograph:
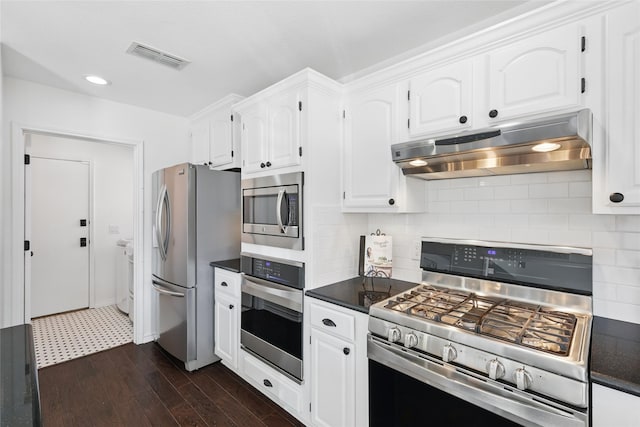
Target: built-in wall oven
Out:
[271,319]
[496,334]
[272,211]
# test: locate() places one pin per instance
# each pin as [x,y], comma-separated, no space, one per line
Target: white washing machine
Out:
[124,274]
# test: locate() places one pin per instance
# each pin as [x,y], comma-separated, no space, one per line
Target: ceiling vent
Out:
[158,56]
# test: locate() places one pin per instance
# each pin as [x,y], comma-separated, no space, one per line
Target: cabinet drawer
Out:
[275,385]
[227,282]
[332,321]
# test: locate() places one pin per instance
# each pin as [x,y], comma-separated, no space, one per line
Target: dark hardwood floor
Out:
[142,386]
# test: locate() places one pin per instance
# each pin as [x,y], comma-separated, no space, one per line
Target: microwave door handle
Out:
[277,294]
[159,234]
[281,199]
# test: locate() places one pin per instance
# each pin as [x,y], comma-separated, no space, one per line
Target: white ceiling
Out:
[234,46]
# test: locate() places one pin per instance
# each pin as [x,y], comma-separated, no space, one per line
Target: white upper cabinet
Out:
[271,133]
[214,135]
[440,100]
[371,180]
[534,75]
[617,187]
[284,129]
[254,138]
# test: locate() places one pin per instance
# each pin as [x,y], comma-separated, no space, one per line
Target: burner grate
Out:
[525,324]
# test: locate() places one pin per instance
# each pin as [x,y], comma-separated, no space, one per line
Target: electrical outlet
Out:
[417,249]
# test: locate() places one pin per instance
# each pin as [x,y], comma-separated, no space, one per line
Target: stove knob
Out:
[410,340]
[495,368]
[394,334]
[523,379]
[449,353]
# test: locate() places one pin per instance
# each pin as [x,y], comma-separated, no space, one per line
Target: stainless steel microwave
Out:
[272,211]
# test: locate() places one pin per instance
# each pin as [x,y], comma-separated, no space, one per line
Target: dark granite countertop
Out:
[351,293]
[229,264]
[20,405]
[615,355]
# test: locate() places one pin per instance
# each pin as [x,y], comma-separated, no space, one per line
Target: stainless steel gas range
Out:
[495,334]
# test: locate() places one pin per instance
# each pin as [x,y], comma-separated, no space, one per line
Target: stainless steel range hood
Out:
[560,142]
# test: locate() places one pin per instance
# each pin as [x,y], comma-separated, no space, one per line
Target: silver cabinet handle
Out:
[166,292]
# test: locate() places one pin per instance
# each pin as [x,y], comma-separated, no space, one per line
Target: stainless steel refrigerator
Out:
[196,221]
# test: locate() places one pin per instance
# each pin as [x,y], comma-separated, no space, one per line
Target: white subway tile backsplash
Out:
[628,259]
[629,241]
[569,176]
[529,178]
[512,220]
[494,181]
[618,275]
[629,294]
[604,256]
[450,194]
[549,221]
[511,192]
[604,291]
[580,189]
[549,191]
[493,206]
[464,206]
[628,223]
[464,183]
[438,184]
[616,310]
[529,206]
[590,222]
[480,193]
[528,235]
[580,239]
[571,205]
[439,207]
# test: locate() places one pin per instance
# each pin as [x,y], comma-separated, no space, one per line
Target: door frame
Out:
[21,285]
[29,217]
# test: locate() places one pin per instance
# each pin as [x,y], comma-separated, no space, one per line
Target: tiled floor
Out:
[68,336]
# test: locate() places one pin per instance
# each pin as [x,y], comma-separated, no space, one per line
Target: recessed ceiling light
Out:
[418,162]
[545,147]
[97,80]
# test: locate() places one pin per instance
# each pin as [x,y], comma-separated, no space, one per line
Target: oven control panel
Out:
[284,272]
[520,265]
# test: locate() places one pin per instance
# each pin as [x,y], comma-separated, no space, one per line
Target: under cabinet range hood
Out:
[560,142]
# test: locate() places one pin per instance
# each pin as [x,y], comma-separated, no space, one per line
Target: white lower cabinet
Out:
[614,408]
[227,316]
[339,374]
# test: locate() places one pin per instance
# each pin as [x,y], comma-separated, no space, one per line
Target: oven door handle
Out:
[278,294]
[479,391]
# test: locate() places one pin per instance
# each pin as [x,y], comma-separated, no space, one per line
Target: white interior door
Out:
[60,262]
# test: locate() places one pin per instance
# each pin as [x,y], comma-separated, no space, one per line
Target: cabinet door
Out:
[254,139]
[440,100]
[538,74]
[622,148]
[284,130]
[332,381]
[614,408]
[221,140]
[226,329]
[200,132]
[370,176]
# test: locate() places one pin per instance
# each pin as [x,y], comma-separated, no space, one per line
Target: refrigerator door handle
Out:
[157,287]
[162,236]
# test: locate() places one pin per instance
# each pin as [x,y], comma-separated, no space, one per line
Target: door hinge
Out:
[344,195]
[309,406]
[231,153]
[27,159]
[583,85]
[300,151]
[583,44]
[408,95]
[300,105]
[243,126]
[27,245]
[232,117]
[409,123]
[344,114]
[309,339]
